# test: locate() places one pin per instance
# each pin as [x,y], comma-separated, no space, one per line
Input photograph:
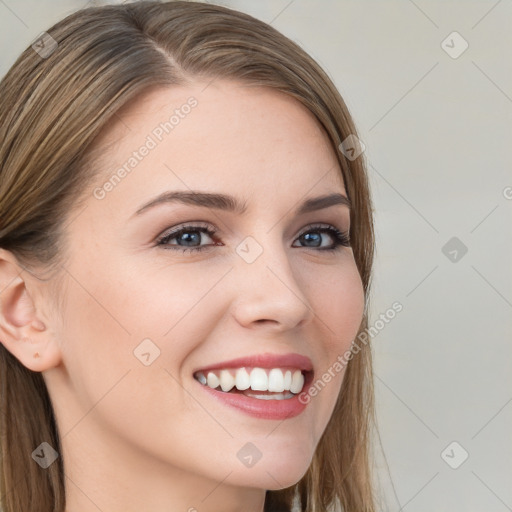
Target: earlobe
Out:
[22,333]
[30,344]
[37,356]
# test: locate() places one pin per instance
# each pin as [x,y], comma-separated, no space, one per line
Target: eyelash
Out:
[341,239]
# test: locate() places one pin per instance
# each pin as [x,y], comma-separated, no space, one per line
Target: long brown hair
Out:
[53,103]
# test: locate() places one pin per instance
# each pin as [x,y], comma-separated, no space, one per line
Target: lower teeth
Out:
[276,396]
[263,395]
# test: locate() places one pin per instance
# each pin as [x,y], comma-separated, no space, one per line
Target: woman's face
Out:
[140,319]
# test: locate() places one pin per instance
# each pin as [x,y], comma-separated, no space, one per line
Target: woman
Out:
[185,253]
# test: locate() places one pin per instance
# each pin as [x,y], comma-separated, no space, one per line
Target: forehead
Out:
[225,135]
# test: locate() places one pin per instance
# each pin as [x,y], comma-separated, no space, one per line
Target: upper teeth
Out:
[276,380]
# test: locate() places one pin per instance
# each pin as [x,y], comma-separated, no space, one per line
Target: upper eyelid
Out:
[206,226]
[191,226]
[211,227]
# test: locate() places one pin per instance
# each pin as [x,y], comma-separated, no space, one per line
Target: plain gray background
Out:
[436,123]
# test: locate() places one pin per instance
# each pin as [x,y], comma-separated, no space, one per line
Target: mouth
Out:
[267,394]
[281,383]
[265,386]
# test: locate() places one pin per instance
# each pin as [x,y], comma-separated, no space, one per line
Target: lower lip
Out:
[263,409]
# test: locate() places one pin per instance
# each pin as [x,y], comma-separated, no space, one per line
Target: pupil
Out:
[187,238]
[312,237]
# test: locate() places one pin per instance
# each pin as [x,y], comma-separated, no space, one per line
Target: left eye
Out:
[187,238]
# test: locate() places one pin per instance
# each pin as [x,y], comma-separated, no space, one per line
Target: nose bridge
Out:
[267,288]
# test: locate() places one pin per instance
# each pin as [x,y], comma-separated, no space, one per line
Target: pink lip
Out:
[262,409]
[266,360]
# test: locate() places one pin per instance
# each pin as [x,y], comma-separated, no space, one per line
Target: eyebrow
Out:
[231,204]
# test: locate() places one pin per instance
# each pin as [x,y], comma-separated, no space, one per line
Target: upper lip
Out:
[266,360]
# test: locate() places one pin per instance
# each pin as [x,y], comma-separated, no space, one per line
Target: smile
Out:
[277,383]
[257,398]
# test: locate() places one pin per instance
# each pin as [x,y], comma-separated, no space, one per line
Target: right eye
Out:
[187,238]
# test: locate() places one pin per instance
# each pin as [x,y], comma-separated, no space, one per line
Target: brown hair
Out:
[52,107]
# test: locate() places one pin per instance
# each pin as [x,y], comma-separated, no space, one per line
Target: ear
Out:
[24,331]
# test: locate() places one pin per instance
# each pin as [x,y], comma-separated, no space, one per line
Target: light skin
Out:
[139,437]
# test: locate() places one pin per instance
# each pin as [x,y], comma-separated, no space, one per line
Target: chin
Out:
[275,473]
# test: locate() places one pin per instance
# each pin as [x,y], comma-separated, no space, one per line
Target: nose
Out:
[270,292]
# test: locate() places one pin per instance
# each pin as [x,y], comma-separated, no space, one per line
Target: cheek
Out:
[176,307]
[337,297]
[110,318]
[109,315]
